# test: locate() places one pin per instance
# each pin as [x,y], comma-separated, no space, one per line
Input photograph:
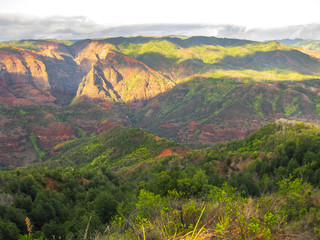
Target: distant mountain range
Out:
[197,90]
[306,44]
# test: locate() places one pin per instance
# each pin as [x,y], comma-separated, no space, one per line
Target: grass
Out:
[318,109]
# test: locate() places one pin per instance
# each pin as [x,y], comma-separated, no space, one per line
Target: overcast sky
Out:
[76,19]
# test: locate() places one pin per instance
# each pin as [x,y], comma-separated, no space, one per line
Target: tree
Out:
[42,211]
[199,181]
[105,206]
[149,204]
[8,230]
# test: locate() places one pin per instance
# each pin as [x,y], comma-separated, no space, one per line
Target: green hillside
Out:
[33,44]
[219,57]
[117,148]
[200,109]
[306,44]
[118,185]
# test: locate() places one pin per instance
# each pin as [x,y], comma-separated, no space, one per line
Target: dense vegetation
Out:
[121,185]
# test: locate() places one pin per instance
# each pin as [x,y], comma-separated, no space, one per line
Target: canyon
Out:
[197,91]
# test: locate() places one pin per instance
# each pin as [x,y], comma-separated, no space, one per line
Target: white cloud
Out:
[248,13]
[14,27]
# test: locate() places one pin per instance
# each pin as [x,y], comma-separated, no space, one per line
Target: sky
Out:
[78,19]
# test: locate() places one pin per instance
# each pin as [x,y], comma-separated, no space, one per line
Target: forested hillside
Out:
[127,184]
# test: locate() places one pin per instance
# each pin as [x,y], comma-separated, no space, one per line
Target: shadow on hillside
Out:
[156,60]
[203,98]
[293,60]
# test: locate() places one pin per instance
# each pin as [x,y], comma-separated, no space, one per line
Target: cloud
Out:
[308,31]
[15,27]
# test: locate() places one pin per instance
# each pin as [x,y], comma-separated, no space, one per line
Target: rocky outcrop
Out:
[95,86]
[23,75]
[120,78]
[37,76]
[53,134]
[90,69]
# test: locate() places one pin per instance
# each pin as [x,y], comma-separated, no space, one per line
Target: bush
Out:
[149,205]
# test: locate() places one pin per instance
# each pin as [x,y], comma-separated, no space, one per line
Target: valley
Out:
[159,138]
[197,91]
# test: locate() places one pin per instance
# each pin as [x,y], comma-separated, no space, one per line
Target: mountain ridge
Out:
[195,90]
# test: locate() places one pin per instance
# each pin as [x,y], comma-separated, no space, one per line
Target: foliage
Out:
[290,108]
[34,141]
[115,178]
[81,133]
[257,105]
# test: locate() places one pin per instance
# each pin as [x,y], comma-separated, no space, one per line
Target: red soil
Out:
[53,134]
[16,101]
[50,184]
[106,105]
[166,152]
[179,151]
[83,180]
[157,138]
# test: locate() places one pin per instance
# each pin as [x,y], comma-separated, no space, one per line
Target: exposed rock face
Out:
[89,69]
[53,134]
[16,150]
[37,76]
[118,77]
[24,76]
[95,86]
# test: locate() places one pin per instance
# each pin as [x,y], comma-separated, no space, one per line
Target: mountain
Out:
[311,47]
[197,90]
[208,110]
[121,78]
[306,44]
